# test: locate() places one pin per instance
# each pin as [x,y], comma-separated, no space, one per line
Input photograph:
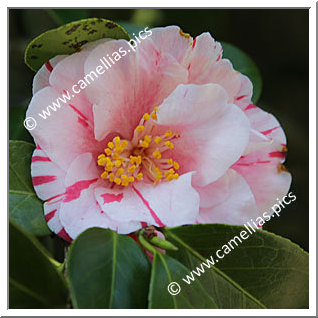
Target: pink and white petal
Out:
[213,134]
[202,55]
[270,154]
[224,74]
[66,188]
[62,136]
[221,73]
[51,214]
[237,206]
[265,123]
[216,192]
[268,180]
[204,63]
[79,209]
[168,204]
[71,69]
[65,78]
[256,142]
[170,40]
[47,177]
[84,212]
[41,78]
[244,95]
[78,215]
[126,227]
[174,203]
[84,167]
[81,175]
[122,204]
[138,81]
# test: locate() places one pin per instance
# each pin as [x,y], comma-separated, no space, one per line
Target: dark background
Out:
[276,39]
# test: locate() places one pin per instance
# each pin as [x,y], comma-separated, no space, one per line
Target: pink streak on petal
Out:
[63,234]
[73,192]
[248,164]
[143,224]
[267,132]
[78,112]
[38,180]
[38,147]
[50,215]
[82,122]
[194,41]
[146,203]
[49,66]
[54,197]
[40,158]
[240,97]
[109,197]
[277,154]
[250,106]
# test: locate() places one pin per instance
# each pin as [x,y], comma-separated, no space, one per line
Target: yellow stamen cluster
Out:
[118,168]
[126,162]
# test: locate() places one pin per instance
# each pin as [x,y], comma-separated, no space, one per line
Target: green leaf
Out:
[34,282]
[25,209]
[17,131]
[245,65]
[62,16]
[131,28]
[166,270]
[69,38]
[107,270]
[265,270]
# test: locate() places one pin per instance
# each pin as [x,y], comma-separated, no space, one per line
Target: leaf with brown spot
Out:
[68,39]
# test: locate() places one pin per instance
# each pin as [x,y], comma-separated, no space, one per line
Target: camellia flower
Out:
[167,136]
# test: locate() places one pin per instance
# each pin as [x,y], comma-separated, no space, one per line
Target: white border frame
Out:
[312,163]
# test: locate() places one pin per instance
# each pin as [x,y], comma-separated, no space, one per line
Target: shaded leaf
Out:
[34,282]
[245,65]
[69,38]
[166,270]
[17,131]
[25,209]
[131,28]
[107,270]
[264,268]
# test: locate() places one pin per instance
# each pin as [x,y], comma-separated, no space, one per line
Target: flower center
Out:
[126,161]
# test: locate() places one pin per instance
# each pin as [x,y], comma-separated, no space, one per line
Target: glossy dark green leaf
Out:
[167,271]
[34,281]
[245,65]
[264,269]
[25,209]
[69,38]
[62,16]
[107,270]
